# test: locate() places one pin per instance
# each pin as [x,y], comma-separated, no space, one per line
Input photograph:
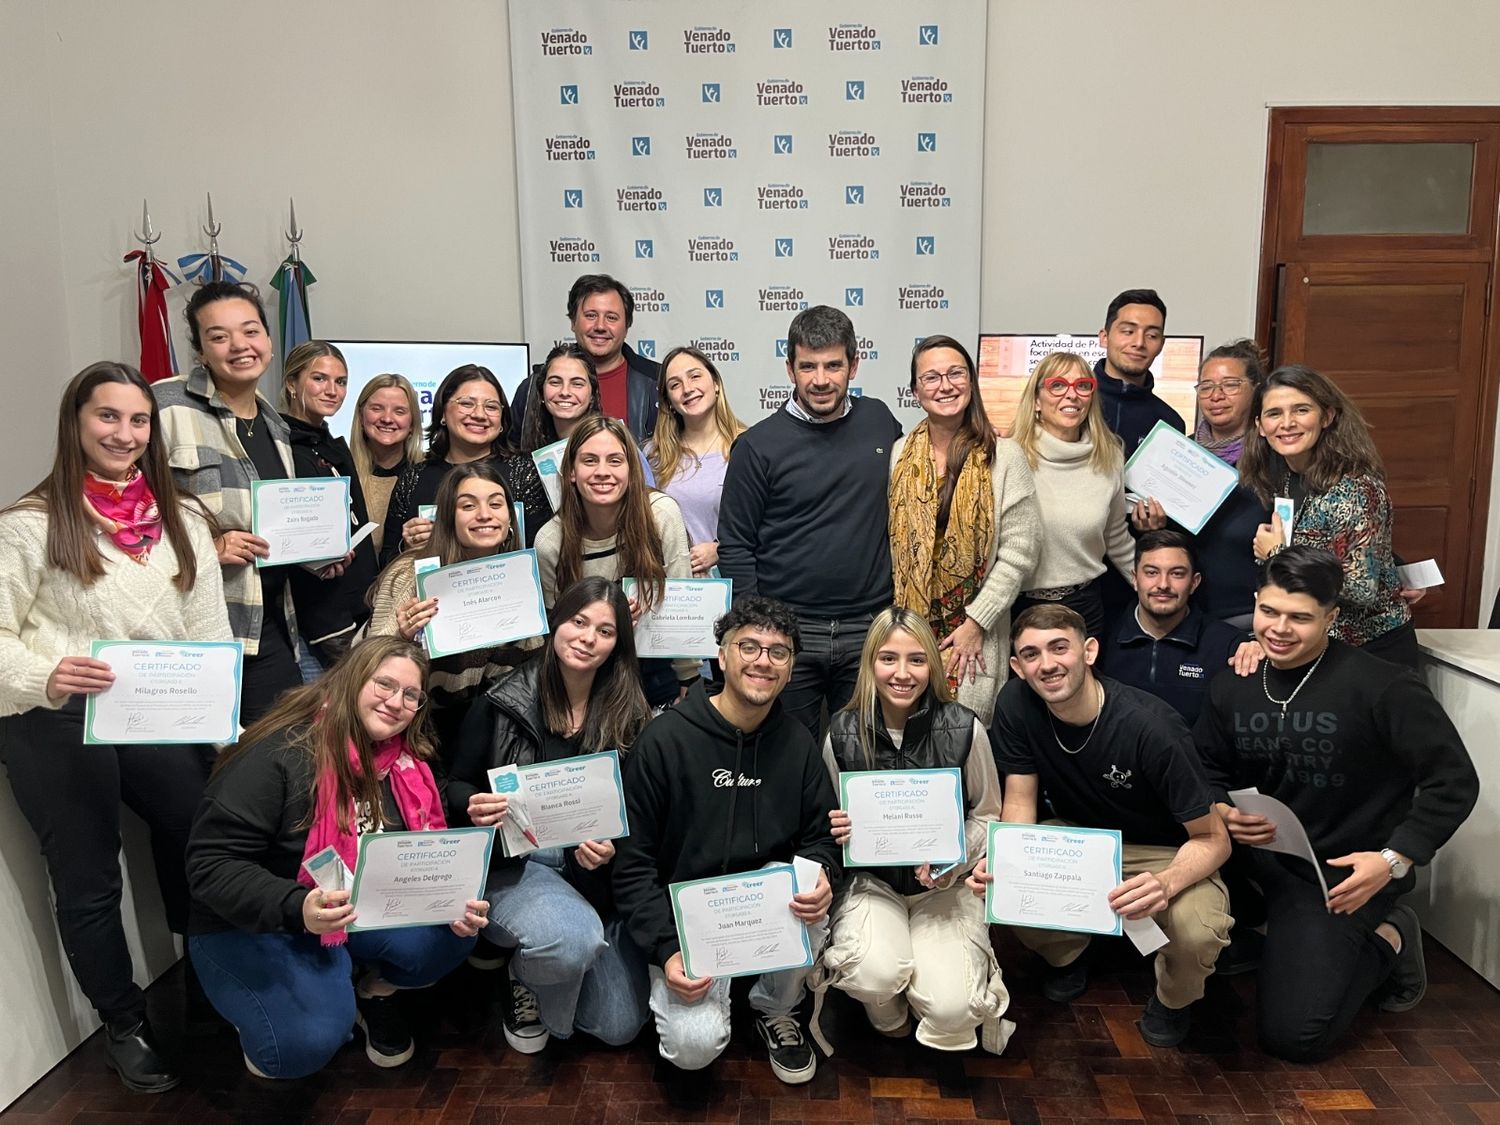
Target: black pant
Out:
[1318,968]
[71,793]
[267,674]
[1088,603]
[1398,645]
[826,668]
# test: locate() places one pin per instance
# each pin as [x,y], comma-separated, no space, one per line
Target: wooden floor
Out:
[1087,1062]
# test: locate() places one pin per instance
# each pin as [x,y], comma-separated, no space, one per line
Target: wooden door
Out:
[1377,269]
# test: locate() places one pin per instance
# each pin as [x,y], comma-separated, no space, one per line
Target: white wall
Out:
[1125,146]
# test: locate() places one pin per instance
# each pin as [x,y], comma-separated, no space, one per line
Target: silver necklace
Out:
[1265,684]
[1092,726]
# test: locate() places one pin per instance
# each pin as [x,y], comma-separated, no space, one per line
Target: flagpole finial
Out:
[146,236]
[214,228]
[294,232]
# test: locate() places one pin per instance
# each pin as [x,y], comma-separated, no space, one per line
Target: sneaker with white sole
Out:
[791,1055]
[522,1020]
[388,1039]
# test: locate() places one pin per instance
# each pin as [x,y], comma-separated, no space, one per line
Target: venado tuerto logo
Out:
[781,298]
[781,38]
[572,250]
[926,142]
[565,41]
[781,348]
[649,300]
[568,95]
[713,298]
[852,248]
[854,90]
[640,146]
[720,349]
[572,199]
[922,296]
[569,146]
[780,197]
[850,143]
[864,348]
[781,144]
[854,297]
[854,195]
[645,248]
[926,245]
[853,37]
[707,41]
[638,95]
[710,146]
[639,197]
[784,247]
[924,193]
[711,93]
[927,35]
[712,248]
[646,348]
[780,91]
[640,41]
[924,89]
[713,197]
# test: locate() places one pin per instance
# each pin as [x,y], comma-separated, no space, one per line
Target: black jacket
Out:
[328,607]
[705,798]
[1132,411]
[640,398]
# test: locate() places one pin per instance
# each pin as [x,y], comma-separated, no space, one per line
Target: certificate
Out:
[419,878]
[304,520]
[902,818]
[561,804]
[548,461]
[681,625]
[483,603]
[166,691]
[740,925]
[1188,480]
[1053,878]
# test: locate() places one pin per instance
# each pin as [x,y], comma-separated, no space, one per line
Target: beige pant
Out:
[930,952]
[1196,922]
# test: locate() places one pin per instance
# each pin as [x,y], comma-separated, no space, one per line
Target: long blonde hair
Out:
[1107,456]
[666,453]
[865,702]
[411,449]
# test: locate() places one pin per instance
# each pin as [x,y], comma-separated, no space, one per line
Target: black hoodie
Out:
[705,799]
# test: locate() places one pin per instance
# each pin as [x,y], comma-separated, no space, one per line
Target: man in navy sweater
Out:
[1134,331]
[803,516]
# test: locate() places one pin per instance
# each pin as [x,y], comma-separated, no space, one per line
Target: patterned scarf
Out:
[417,800]
[127,513]
[939,576]
[1225,449]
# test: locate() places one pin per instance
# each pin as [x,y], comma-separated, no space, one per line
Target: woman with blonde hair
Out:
[689,450]
[1079,468]
[912,940]
[965,524]
[385,438]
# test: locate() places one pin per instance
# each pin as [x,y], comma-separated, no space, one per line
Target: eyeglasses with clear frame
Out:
[931,380]
[385,687]
[1231,387]
[469,405]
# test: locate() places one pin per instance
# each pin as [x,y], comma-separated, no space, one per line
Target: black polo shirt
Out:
[1176,668]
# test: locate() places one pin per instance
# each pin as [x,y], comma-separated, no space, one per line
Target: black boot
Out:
[131,1053]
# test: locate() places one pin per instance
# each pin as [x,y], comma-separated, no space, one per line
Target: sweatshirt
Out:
[705,798]
[1133,411]
[804,515]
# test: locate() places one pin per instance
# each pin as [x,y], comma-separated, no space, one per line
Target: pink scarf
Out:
[127,513]
[417,800]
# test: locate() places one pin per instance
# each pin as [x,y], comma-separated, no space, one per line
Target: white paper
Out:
[806,873]
[903,817]
[1291,837]
[548,460]
[304,520]
[166,691]
[1054,878]
[562,803]
[426,511]
[740,924]
[1187,480]
[354,541]
[1144,934]
[1287,510]
[328,870]
[1420,575]
[419,878]
[681,625]
[483,603]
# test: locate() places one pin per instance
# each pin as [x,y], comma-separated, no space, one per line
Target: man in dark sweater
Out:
[723,784]
[1366,758]
[1132,337]
[803,517]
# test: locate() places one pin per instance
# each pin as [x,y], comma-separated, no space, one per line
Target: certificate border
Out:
[89,738]
[628,584]
[255,490]
[1228,489]
[619,785]
[536,574]
[555,450]
[958,779]
[359,870]
[675,889]
[989,890]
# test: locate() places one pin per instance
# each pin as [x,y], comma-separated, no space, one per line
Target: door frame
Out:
[1283,118]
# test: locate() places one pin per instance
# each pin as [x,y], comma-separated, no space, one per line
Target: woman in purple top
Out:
[689,448]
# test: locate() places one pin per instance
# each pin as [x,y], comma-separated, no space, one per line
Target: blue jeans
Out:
[291,998]
[587,974]
[827,666]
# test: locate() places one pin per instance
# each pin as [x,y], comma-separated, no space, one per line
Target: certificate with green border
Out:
[305,519]
[563,802]
[1053,877]
[166,692]
[1187,480]
[483,603]
[903,818]
[740,925]
[418,878]
[681,626]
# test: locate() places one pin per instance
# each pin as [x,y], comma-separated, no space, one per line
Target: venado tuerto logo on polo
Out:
[924,193]
[565,41]
[921,296]
[569,146]
[780,197]
[711,146]
[649,300]
[639,197]
[847,143]
[852,248]
[638,95]
[572,250]
[781,298]
[712,248]
[707,41]
[924,89]
[853,37]
[720,349]
[780,91]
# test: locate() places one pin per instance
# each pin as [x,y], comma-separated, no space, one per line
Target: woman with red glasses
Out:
[1079,467]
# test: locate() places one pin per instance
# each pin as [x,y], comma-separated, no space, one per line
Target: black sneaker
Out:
[1407,983]
[488,957]
[1241,955]
[1162,1026]
[523,1020]
[792,1058]
[130,1051]
[388,1040]
[1066,983]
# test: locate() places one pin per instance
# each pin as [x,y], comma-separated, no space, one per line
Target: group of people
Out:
[902,600]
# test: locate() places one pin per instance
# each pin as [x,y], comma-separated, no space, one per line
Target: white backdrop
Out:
[731,173]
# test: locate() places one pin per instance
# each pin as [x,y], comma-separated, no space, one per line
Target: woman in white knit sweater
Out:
[105,548]
[1079,468]
[965,524]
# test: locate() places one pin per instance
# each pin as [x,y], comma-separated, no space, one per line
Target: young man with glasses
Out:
[719,785]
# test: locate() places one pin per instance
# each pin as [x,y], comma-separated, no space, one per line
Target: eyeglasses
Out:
[1083,386]
[930,380]
[1207,388]
[469,405]
[751,650]
[386,687]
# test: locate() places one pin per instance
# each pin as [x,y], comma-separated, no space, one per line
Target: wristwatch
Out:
[1399,866]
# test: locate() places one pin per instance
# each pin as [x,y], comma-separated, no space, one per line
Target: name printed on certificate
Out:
[739,925]
[1054,878]
[1187,480]
[483,603]
[681,625]
[901,818]
[418,878]
[561,804]
[304,520]
[166,691]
